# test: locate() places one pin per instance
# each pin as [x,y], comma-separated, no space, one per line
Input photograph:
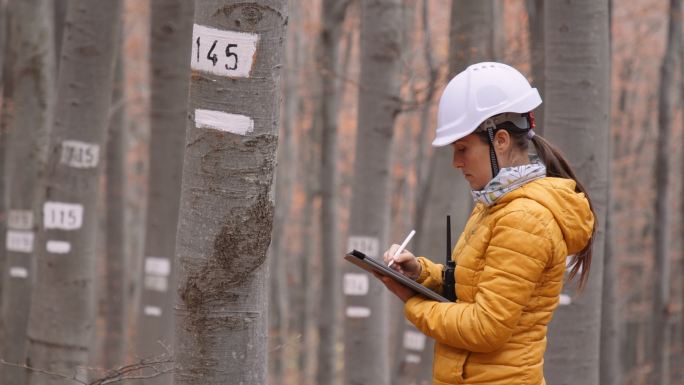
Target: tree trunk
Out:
[59,12]
[471,34]
[308,290]
[577,112]
[307,322]
[333,13]
[5,121]
[226,207]
[611,364]
[32,102]
[366,323]
[170,40]
[535,20]
[666,108]
[115,255]
[279,254]
[63,302]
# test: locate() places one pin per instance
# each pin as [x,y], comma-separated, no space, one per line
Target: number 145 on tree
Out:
[224,53]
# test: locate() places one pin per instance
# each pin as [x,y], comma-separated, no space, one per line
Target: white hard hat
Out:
[481,91]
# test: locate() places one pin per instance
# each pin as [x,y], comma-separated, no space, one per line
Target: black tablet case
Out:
[369,264]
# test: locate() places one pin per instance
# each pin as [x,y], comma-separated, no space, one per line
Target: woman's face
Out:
[471,156]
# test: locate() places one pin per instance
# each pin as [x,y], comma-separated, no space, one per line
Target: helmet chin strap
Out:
[494,162]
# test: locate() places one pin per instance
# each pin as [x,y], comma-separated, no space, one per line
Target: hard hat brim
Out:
[526,103]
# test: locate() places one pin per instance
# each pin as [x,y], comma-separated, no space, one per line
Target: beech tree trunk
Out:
[115,264]
[577,116]
[171,43]
[666,108]
[366,322]
[62,312]
[226,207]
[5,109]
[333,13]
[535,20]
[32,102]
[308,281]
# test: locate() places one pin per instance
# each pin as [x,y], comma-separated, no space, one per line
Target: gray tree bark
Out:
[535,20]
[307,290]
[59,12]
[611,363]
[62,312]
[6,113]
[666,107]
[333,13]
[171,43]
[115,256]
[577,115]
[226,207]
[285,348]
[32,101]
[366,323]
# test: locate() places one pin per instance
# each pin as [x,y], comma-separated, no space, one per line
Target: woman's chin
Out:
[469,179]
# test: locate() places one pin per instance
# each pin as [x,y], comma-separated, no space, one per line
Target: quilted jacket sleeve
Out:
[430,274]
[515,258]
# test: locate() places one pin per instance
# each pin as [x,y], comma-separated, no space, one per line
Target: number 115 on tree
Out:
[224,53]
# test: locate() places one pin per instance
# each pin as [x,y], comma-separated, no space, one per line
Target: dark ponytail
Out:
[557,166]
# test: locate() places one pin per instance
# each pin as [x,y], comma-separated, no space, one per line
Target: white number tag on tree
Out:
[19,241]
[80,154]
[355,284]
[58,247]
[64,216]
[414,340]
[225,53]
[20,219]
[367,245]
[157,266]
[18,272]
[153,311]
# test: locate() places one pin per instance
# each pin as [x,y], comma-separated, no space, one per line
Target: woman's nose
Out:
[457,162]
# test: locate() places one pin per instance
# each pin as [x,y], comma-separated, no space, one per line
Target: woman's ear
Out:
[502,140]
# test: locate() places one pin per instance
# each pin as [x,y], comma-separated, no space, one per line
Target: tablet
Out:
[369,264]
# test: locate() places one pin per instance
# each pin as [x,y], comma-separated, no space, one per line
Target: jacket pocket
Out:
[448,364]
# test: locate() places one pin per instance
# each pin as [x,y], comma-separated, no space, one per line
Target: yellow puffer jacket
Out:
[510,263]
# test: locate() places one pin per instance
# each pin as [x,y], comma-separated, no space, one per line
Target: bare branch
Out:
[41,371]
[159,366]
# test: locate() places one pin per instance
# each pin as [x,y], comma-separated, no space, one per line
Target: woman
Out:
[530,214]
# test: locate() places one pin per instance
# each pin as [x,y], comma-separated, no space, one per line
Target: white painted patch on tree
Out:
[58,247]
[358,312]
[20,219]
[156,283]
[355,284]
[64,216]
[224,53]
[414,340]
[413,359]
[19,241]
[223,121]
[18,272]
[564,300]
[367,245]
[152,311]
[80,154]
[157,266]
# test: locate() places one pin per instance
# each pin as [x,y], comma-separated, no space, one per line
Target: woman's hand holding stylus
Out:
[404,262]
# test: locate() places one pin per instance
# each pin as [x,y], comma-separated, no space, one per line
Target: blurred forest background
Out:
[344,129]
